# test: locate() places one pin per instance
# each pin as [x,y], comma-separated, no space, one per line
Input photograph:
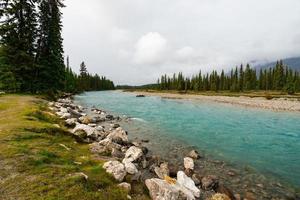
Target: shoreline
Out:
[219,165]
[276,104]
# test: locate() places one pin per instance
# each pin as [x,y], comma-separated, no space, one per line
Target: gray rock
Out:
[115,125]
[133,154]
[71,122]
[173,169]
[130,168]
[117,153]
[66,116]
[222,189]
[209,182]
[90,131]
[109,117]
[144,163]
[125,186]
[194,154]
[189,163]
[188,183]
[100,128]
[116,169]
[97,148]
[196,179]
[118,133]
[75,113]
[92,125]
[162,190]
[85,120]
[162,171]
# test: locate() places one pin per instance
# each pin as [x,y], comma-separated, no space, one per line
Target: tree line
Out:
[240,79]
[31,50]
[85,81]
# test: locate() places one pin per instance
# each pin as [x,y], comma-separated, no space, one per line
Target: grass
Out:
[34,163]
[252,94]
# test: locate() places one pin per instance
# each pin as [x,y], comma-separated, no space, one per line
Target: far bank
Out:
[273,100]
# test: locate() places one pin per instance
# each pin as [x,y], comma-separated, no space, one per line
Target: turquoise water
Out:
[266,140]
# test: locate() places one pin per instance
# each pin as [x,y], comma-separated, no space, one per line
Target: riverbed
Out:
[249,148]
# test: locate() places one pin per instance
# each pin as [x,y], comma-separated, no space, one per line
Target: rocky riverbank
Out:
[130,161]
[276,104]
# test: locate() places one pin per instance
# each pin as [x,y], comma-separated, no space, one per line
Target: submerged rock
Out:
[222,189]
[194,154]
[188,183]
[173,169]
[209,182]
[219,197]
[109,117]
[196,179]
[116,169]
[162,171]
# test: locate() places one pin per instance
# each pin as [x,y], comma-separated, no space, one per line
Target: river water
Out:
[264,141]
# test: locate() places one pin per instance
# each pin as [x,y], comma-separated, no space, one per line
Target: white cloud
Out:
[150,49]
[187,54]
[114,37]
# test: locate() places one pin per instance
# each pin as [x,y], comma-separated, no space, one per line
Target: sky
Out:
[136,41]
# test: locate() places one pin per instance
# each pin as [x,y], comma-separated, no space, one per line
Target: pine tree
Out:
[50,48]
[18,33]
[241,78]
[83,69]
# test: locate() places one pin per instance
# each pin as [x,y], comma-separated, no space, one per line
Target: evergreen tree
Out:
[83,69]
[18,33]
[50,48]
[241,78]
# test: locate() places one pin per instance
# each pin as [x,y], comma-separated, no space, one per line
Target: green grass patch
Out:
[34,163]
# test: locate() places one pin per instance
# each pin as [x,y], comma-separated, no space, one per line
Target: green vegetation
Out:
[31,50]
[277,79]
[39,160]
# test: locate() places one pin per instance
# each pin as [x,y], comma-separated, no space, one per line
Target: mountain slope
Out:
[293,63]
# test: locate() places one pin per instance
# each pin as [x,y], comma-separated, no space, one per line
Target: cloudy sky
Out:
[135,41]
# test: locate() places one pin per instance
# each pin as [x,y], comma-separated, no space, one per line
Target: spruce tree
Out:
[50,48]
[18,33]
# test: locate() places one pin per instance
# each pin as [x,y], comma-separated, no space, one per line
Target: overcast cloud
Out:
[135,41]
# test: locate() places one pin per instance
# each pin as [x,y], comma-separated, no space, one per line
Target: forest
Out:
[32,54]
[240,79]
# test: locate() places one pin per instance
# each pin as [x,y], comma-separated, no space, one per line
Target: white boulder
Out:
[87,129]
[116,169]
[118,133]
[188,183]
[66,116]
[71,122]
[130,167]
[162,190]
[189,163]
[132,154]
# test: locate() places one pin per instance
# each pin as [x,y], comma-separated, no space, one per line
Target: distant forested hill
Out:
[293,63]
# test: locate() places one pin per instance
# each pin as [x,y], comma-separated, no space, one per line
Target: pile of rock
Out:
[85,128]
[130,160]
